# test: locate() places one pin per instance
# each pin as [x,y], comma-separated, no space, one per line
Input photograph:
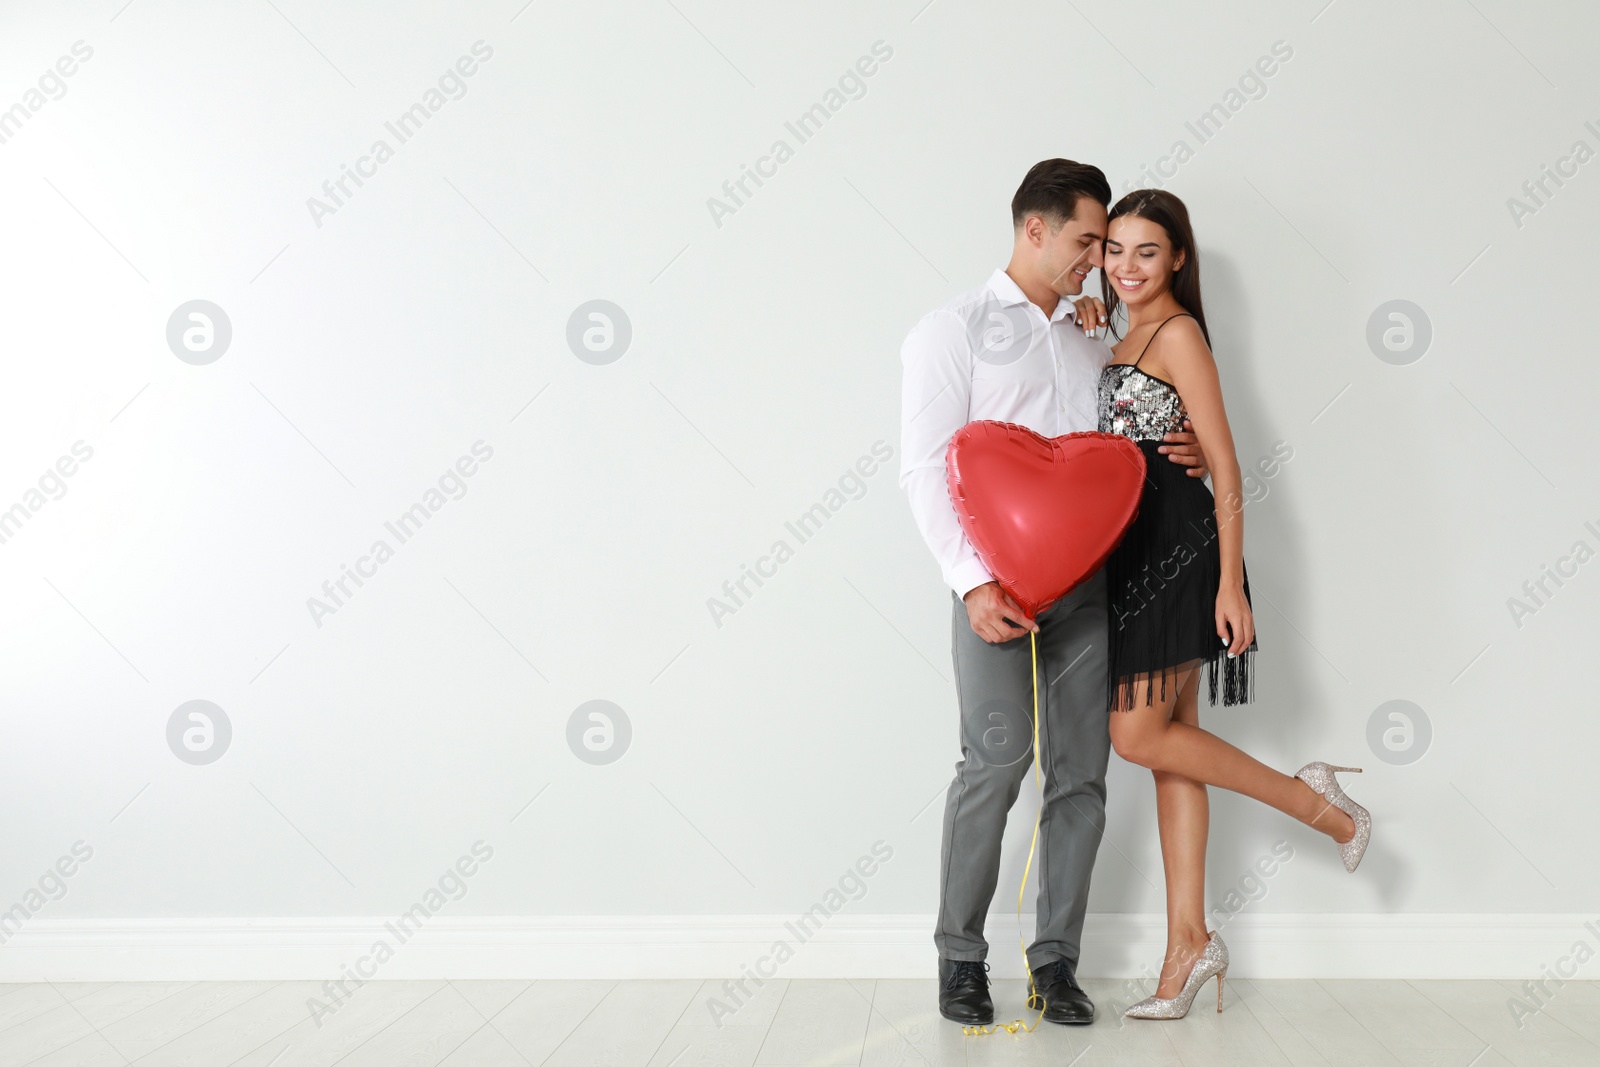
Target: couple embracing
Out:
[1120,657]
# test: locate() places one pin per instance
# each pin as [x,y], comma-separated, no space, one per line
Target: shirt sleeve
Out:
[935,391]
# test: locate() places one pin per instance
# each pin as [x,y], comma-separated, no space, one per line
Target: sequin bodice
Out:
[1137,405]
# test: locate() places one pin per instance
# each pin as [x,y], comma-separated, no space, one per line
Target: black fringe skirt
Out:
[1161,587]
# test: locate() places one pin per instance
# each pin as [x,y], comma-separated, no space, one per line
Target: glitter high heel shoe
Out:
[1212,963]
[1319,776]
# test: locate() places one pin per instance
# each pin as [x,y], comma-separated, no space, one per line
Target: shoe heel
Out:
[1220,976]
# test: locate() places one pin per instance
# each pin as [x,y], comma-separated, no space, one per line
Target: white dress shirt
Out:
[986,354]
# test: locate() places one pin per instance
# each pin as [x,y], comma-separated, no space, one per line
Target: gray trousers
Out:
[995,689]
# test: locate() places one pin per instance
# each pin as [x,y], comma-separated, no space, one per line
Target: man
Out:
[1009,350]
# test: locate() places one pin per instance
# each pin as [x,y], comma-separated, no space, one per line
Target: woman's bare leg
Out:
[1149,736]
[1183,815]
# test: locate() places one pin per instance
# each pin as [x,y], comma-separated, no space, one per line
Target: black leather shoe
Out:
[964,992]
[1064,999]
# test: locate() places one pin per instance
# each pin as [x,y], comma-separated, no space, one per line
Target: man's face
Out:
[1068,255]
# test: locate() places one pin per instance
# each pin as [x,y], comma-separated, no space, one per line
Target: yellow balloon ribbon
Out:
[1018,1024]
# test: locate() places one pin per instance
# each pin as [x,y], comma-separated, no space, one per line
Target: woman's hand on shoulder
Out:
[1089,313]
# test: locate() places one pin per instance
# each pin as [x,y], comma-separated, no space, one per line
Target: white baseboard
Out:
[722,946]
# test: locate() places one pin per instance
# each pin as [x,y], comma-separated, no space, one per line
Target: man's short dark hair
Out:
[1052,189]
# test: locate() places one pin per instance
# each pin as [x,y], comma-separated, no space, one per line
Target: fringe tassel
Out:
[1233,678]
[1236,677]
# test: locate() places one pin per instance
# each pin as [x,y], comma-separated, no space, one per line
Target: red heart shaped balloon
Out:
[1044,513]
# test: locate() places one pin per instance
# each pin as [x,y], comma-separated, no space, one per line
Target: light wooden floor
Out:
[790,1023]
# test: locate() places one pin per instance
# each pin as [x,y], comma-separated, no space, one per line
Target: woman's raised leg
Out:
[1149,736]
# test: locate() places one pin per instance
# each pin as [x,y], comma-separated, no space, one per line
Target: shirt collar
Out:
[1009,293]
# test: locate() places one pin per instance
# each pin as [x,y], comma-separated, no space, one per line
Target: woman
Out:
[1178,585]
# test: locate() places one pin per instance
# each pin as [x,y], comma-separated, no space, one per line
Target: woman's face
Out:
[1139,259]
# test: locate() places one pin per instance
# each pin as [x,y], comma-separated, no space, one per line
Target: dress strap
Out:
[1164,321]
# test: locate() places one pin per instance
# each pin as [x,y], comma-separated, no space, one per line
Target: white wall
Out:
[430,311]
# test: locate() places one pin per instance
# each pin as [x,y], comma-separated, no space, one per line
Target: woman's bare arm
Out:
[1183,358]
